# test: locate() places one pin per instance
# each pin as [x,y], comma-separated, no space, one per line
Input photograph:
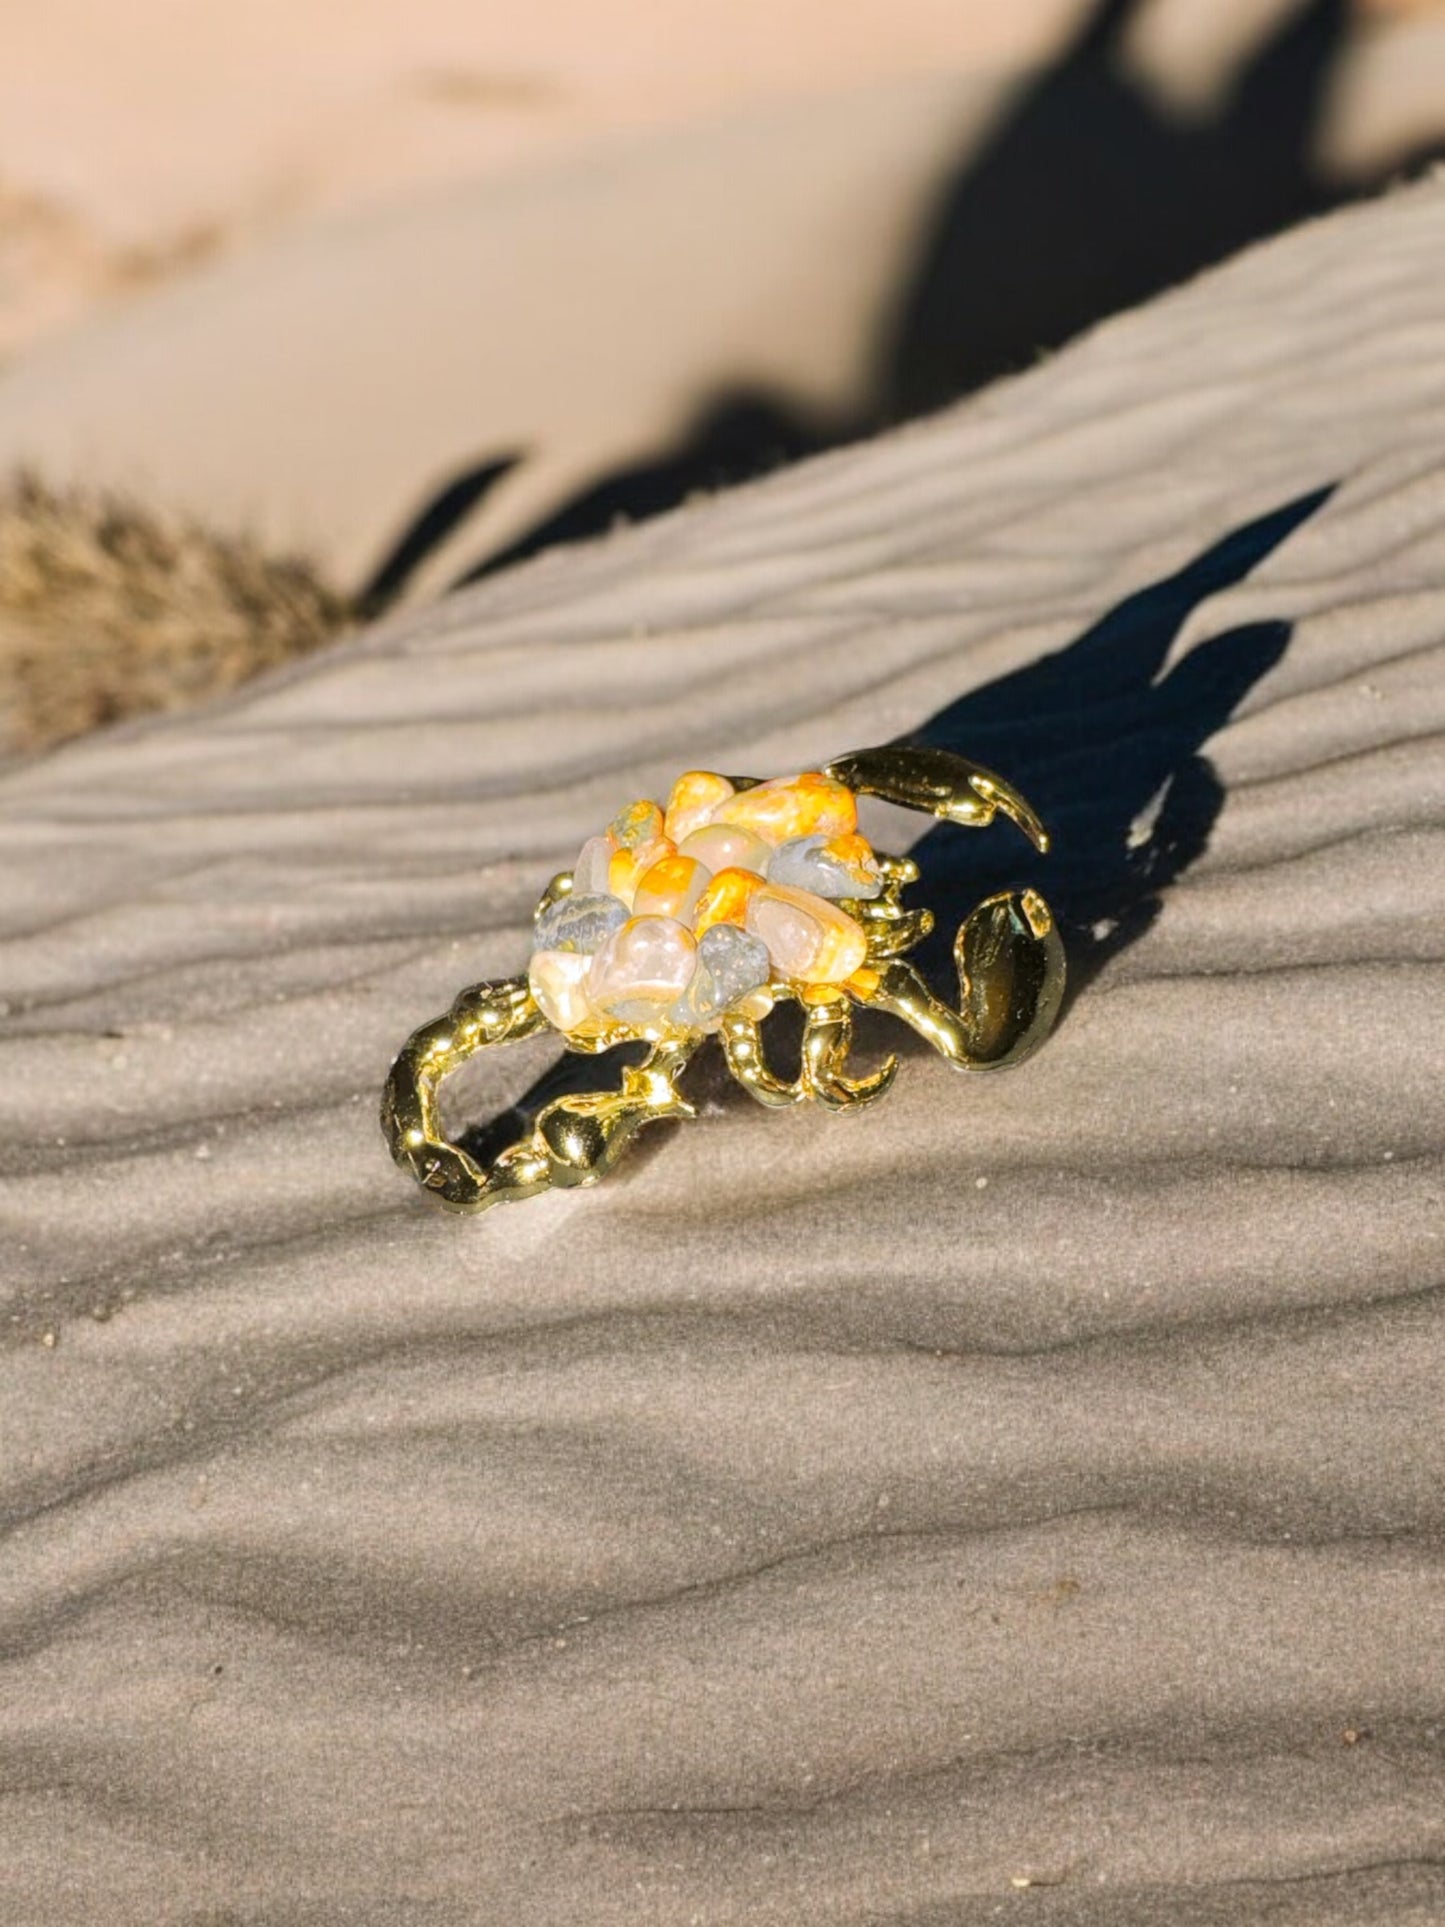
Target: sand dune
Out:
[139,142]
[699,303]
[1025,1497]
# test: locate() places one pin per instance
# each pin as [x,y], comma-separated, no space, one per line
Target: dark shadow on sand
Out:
[1087,199]
[1110,754]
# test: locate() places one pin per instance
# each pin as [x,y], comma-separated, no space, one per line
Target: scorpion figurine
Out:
[695,919]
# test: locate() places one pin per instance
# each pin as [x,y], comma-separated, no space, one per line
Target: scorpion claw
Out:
[940,784]
[998,795]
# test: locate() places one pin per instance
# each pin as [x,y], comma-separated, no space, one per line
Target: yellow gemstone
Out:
[694,797]
[808,805]
[725,900]
[854,853]
[670,888]
[627,868]
[809,940]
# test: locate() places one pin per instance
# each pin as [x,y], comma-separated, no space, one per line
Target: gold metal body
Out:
[1010,964]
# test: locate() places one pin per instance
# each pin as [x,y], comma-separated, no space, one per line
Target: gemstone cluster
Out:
[681,913]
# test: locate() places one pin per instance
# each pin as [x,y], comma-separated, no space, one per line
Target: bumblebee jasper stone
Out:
[838,866]
[637,826]
[670,888]
[694,798]
[806,805]
[809,939]
[725,900]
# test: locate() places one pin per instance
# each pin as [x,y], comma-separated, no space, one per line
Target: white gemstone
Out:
[559,983]
[590,872]
[727,846]
[641,969]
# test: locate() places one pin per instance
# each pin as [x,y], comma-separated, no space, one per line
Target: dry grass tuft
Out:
[108,610]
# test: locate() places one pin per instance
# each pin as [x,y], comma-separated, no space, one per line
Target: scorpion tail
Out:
[1010,982]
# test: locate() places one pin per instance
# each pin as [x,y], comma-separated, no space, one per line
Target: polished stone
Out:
[833,867]
[580,922]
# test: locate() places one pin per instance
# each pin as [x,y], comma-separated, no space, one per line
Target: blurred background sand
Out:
[142,138]
[396,293]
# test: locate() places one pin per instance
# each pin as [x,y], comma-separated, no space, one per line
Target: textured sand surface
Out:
[1034,1480]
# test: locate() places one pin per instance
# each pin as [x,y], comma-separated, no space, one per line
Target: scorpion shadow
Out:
[1108,753]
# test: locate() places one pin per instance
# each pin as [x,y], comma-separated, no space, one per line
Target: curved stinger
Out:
[1010,962]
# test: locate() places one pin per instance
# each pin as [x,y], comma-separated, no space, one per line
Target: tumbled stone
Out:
[790,806]
[590,871]
[671,888]
[582,923]
[730,965]
[725,900]
[558,980]
[629,866]
[637,826]
[727,846]
[808,939]
[695,795]
[641,969]
[838,866]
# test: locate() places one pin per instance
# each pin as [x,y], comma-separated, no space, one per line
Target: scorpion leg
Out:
[742,1044]
[1010,979]
[940,784]
[826,1043]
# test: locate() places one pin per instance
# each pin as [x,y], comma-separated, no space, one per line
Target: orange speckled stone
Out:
[670,888]
[726,898]
[692,801]
[809,939]
[808,805]
[628,867]
[638,825]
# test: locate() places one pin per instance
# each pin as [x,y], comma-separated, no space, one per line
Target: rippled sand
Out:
[1025,1498]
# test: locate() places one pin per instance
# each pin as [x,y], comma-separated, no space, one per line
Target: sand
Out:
[141,141]
[1023,1500]
[719,262]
